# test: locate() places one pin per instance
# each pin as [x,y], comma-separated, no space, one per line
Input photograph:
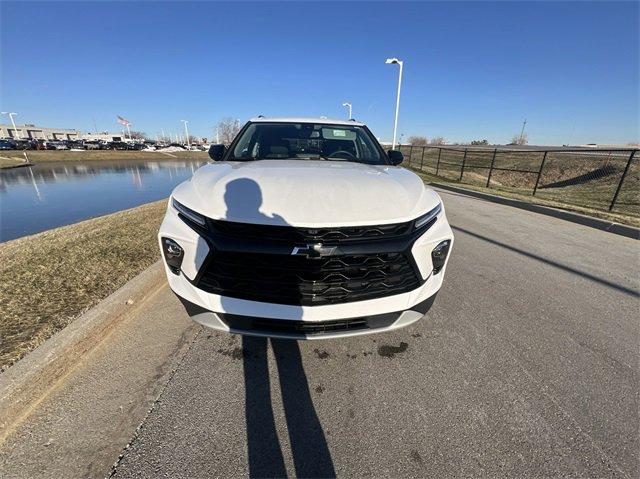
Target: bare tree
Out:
[139,135]
[417,140]
[522,139]
[228,128]
[438,140]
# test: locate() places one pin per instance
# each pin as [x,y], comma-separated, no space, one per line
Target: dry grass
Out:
[50,278]
[12,158]
[609,216]
[582,181]
[11,162]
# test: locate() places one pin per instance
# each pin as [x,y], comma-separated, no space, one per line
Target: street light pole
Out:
[522,131]
[11,114]
[395,123]
[186,132]
[348,105]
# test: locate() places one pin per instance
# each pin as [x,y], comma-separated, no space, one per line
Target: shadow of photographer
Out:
[309,449]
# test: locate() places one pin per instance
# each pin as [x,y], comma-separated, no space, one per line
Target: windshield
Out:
[306,141]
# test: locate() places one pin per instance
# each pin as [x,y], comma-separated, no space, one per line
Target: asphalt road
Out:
[527,365]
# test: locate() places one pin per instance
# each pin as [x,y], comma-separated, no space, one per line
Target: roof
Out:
[324,121]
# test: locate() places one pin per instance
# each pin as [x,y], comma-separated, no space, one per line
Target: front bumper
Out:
[298,329]
[258,318]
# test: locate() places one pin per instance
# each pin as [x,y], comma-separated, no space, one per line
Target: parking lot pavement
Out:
[527,366]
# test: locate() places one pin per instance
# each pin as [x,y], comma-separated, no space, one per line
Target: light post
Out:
[395,123]
[348,105]
[11,114]
[186,132]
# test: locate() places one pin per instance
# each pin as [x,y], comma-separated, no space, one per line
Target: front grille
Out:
[296,235]
[266,325]
[300,280]
[307,328]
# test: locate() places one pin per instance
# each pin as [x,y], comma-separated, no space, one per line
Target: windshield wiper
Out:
[335,158]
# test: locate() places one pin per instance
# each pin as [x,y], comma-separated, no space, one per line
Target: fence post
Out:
[438,164]
[626,170]
[544,158]
[410,154]
[422,158]
[491,168]
[464,158]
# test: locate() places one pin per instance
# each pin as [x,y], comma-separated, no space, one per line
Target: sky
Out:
[471,70]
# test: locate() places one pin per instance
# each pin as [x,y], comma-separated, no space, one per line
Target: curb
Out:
[25,384]
[597,223]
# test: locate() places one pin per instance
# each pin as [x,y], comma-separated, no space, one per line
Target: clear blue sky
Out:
[472,70]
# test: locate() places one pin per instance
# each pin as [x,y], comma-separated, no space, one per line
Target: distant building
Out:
[27,131]
[104,136]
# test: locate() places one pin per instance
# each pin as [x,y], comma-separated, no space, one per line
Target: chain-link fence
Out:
[598,179]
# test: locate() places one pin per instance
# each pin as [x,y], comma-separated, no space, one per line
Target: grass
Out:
[518,194]
[13,158]
[584,182]
[52,277]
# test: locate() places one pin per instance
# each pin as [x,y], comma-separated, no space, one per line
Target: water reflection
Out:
[49,195]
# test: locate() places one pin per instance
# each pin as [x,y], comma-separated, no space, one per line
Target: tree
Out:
[437,141]
[139,135]
[228,128]
[480,142]
[417,140]
[520,139]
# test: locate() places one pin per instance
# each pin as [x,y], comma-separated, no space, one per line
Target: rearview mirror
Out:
[395,157]
[216,152]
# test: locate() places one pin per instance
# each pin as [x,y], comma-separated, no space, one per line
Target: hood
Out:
[306,193]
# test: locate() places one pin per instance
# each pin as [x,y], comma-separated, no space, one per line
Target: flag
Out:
[122,121]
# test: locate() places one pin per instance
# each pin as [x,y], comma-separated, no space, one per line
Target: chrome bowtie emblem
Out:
[313,250]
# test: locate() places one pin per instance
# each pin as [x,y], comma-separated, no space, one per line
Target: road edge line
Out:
[597,223]
[28,382]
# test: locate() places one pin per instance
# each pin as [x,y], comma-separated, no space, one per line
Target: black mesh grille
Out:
[266,325]
[295,235]
[300,280]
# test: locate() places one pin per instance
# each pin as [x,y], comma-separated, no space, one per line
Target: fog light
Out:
[173,254]
[439,255]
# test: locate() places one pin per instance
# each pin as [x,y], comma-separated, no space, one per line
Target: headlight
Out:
[426,218]
[188,213]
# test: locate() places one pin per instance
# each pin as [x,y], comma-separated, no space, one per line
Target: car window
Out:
[306,141]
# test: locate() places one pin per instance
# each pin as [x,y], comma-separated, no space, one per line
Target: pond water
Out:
[41,197]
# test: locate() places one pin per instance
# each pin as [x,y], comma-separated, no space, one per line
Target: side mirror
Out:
[216,152]
[395,157]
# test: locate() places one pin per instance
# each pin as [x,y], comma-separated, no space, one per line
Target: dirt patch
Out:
[321,354]
[389,351]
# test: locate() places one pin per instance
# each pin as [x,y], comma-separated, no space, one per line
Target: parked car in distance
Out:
[305,229]
[92,145]
[74,144]
[116,145]
[7,145]
[55,145]
[19,144]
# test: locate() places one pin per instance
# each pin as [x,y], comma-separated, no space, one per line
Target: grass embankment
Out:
[12,158]
[613,217]
[50,278]
[582,181]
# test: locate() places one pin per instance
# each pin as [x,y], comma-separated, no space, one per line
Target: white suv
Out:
[305,229]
